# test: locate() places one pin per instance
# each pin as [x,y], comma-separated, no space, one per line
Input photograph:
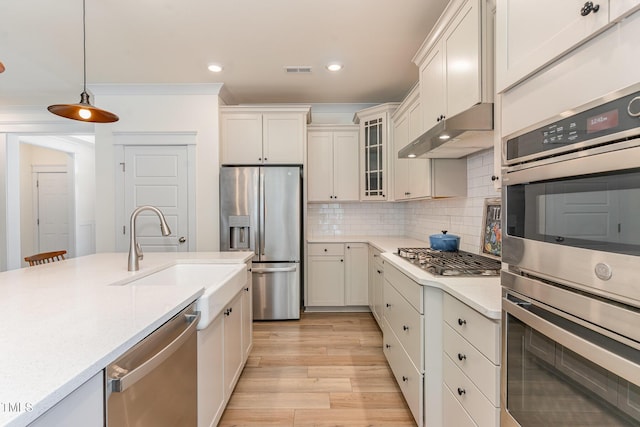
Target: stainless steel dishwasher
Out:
[154,384]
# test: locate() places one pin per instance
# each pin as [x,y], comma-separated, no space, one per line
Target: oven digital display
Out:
[602,121]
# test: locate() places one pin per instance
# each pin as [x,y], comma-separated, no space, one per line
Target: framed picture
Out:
[492,228]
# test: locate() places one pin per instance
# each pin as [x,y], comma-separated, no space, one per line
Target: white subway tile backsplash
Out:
[461,216]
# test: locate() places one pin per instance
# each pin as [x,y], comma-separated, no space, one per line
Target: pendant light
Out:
[83,110]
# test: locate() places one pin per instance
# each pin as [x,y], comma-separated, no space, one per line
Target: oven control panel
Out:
[606,121]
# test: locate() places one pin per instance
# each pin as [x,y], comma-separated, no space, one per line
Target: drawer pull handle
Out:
[461,321]
[388,345]
[461,391]
[461,357]
[405,379]
[405,328]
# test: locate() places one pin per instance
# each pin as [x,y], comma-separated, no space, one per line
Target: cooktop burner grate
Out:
[458,263]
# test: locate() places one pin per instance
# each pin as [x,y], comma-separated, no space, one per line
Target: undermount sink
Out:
[221,282]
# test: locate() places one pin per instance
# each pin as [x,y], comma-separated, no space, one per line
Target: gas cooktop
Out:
[459,263]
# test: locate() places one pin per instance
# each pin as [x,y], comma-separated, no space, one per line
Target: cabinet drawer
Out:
[409,289]
[406,323]
[483,412]
[326,249]
[484,374]
[407,377]
[453,413]
[481,332]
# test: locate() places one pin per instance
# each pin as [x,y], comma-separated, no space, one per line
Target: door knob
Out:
[588,8]
[182,239]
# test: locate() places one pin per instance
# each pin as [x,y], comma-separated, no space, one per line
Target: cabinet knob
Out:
[227,312]
[341,260]
[246,289]
[494,177]
[461,322]
[461,391]
[388,305]
[379,272]
[387,345]
[461,357]
[259,159]
[348,247]
[405,328]
[405,379]
[265,159]
[588,8]
[325,249]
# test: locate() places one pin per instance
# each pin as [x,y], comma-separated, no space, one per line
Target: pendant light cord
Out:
[84,46]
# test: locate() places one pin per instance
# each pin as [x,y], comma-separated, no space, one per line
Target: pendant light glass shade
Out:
[83,111]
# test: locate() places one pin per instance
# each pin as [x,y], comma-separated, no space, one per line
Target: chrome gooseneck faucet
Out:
[135,251]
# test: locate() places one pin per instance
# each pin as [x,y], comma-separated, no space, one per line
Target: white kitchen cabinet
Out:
[421,178]
[403,336]
[376,282]
[82,407]
[337,275]
[247,316]
[531,35]
[263,135]
[376,167]
[333,163]
[223,348]
[356,274]
[211,367]
[325,287]
[456,61]
[471,360]
[233,360]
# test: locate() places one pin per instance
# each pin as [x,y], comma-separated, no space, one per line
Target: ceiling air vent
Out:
[298,69]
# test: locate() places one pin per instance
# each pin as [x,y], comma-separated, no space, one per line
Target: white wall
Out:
[160,108]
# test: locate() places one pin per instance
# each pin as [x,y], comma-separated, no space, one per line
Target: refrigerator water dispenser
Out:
[239,232]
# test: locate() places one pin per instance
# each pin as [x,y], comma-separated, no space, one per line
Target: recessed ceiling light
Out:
[215,68]
[334,66]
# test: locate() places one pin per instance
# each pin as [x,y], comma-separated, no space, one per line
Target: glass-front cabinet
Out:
[375,161]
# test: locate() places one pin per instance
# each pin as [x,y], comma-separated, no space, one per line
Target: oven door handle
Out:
[613,362]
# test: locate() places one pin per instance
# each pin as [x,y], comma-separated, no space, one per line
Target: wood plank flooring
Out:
[325,370]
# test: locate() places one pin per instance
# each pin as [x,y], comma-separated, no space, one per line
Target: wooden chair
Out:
[45,257]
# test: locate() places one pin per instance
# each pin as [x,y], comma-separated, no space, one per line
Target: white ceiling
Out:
[162,41]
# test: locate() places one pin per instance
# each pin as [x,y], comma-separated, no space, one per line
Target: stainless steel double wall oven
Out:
[571,285]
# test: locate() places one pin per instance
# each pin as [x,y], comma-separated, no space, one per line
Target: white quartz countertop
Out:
[483,294]
[63,322]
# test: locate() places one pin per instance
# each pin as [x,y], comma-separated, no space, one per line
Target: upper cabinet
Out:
[263,134]
[333,153]
[420,178]
[531,35]
[455,61]
[375,151]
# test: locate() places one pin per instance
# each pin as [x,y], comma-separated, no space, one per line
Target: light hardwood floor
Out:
[327,369]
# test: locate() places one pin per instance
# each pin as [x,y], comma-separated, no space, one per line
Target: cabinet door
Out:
[373,158]
[241,138]
[461,43]
[211,385]
[401,172]
[320,167]
[621,8]
[432,88]
[419,178]
[326,281]
[356,274]
[247,317]
[372,274]
[283,138]
[232,343]
[346,185]
[530,35]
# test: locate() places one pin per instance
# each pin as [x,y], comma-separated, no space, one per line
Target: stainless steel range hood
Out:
[455,137]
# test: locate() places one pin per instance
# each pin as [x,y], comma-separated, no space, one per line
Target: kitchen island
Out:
[64,322]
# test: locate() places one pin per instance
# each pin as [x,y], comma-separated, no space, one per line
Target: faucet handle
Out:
[139,250]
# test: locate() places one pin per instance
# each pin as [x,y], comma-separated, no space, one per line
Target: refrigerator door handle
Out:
[262,214]
[273,270]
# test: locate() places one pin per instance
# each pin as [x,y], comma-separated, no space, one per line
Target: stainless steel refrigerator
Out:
[261,211]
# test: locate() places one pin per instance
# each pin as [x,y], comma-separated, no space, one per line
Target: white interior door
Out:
[157,176]
[53,211]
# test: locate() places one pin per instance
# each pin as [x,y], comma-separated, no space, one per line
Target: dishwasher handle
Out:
[118,385]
